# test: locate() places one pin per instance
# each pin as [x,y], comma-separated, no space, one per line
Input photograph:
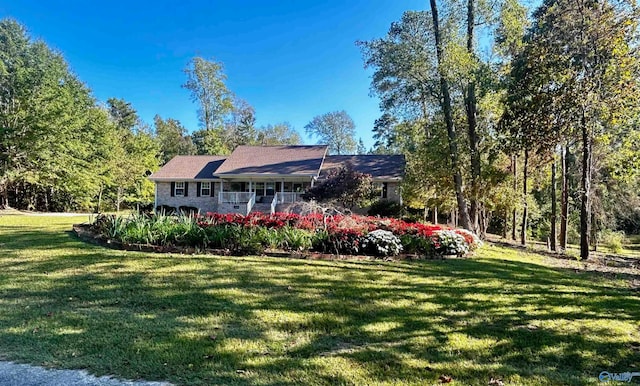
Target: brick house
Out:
[264,178]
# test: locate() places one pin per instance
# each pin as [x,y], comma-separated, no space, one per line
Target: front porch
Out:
[263,195]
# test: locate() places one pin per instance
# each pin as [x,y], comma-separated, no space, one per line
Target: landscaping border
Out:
[85,233]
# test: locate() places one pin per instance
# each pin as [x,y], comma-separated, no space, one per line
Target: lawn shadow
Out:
[248,320]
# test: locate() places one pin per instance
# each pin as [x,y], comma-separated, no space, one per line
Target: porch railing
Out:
[251,202]
[288,197]
[236,197]
[274,202]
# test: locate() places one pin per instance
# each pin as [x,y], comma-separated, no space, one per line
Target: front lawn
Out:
[270,321]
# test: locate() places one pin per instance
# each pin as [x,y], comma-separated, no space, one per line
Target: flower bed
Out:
[253,234]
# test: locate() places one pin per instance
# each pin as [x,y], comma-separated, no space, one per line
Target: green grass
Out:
[269,321]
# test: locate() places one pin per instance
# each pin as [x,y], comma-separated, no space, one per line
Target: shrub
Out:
[451,243]
[386,208]
[343,240]
[251,234]
[245,240]
[188,210]
[423,246]
[166,210]
[295,239]
[613,240]
[218,236]
[382,243]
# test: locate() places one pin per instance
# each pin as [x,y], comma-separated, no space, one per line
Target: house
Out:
[263,178]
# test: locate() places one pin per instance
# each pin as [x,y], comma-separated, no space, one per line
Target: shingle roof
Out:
[189,167]
[387,167]
[274,160]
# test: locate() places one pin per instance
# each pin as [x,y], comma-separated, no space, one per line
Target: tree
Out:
[344,186]
[445,101]
[206,82]
[240,125]
[134,156]
[123,115]
[361,148]
[46,117]
[172,138]
[335,129]
[278,134]
[582,64]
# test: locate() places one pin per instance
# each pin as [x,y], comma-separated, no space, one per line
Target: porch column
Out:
[220,192]
[250,186]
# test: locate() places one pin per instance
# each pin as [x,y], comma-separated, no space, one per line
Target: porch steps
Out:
[261,207]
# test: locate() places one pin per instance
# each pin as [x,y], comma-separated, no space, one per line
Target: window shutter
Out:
[186,189]
[212,185]
[198,187]
[173,189]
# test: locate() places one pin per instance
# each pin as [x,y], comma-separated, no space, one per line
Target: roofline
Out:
[169,179]
[263,175]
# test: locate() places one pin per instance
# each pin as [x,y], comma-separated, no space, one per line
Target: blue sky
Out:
[291,60]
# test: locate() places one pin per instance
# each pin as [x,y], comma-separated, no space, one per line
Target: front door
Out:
[270,189]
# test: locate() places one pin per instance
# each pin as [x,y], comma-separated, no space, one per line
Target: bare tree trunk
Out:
[448,117]
[564,202]
[585,204]
[435,215]
[515,190]
[471,110]
[554,209]
[523,229]
[118,199]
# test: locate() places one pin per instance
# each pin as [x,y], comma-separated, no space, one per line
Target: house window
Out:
[381,189]
[179,190]
[205,188]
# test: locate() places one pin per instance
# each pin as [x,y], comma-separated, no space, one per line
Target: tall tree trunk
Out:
[471,110]
[118,199]
[594,230]
[515,192]
[523,229]
[506,224]
[585,204]
[554,206]
[445,101]
[564,202]
[483,222]
[435,215]
[4,196]
[99,199]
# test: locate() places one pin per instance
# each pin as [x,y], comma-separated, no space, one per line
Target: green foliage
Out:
[613,240]
[278,134]
[46,161]
[335,129]
[206,82]
[172,138]
[386,208]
